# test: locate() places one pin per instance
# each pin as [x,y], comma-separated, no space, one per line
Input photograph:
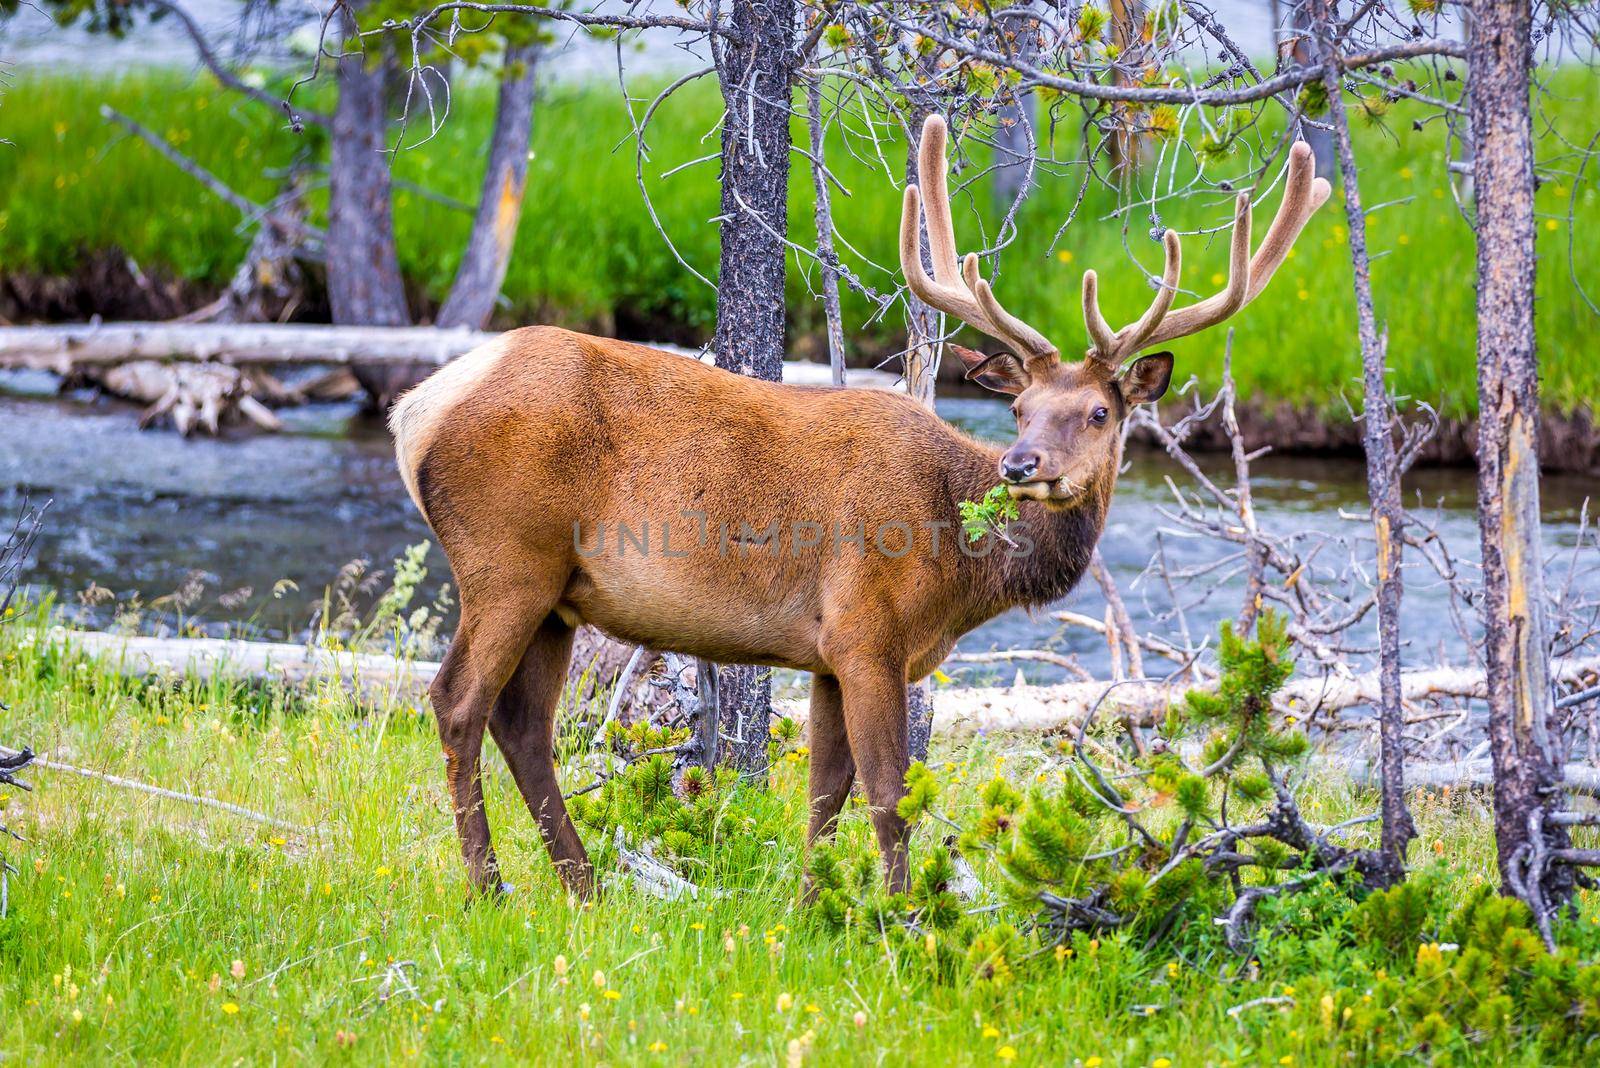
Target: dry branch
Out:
[653,877]
[159,791]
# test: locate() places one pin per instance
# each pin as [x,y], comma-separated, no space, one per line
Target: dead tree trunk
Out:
[1524,740]
[755,71]
[1383,486]
[1017,122]
[494,227]
[924,348]
[364,284]
[1013,144]
[1125,18]
[1319,138]
[822,213]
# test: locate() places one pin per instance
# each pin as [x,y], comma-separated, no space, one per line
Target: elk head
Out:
[1069,414]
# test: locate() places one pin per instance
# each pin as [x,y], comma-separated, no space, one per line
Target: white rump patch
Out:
[416,417]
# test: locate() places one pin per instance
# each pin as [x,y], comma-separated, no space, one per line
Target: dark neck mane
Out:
[1063,543]
[1062,540]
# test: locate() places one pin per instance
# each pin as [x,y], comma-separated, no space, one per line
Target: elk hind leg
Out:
[523,726]
[488,645]
[832,767]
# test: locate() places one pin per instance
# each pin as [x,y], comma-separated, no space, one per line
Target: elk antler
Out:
[1248,275]
[956,289]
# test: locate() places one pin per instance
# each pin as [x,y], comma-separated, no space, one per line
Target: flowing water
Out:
[137,513]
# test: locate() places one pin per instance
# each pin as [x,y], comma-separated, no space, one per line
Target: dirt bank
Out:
[1567,442]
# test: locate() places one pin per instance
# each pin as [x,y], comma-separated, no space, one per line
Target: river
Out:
[134,514]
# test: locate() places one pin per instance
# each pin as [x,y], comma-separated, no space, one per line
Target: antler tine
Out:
[932,177]
[1100,332]
[1303,194]
[955,288]
[1029,343]
[1248,275]
[1217,307]
[1112,348]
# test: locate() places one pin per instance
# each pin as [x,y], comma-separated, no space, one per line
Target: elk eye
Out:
[1099,416]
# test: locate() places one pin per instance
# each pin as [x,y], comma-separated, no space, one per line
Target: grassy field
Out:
[152,931]
[588,256]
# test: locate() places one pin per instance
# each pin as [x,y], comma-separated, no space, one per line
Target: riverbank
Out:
[1569,442]
[92,223]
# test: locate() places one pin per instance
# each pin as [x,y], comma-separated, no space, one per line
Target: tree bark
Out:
[364,284]
[494,227]
[1383,486]
[1524,739]
[755,73]
[1017,122]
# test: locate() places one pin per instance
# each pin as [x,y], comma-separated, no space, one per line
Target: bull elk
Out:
[524,453]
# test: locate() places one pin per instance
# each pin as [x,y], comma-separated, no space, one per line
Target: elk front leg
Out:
[832,768]
[875,721]
[523,726]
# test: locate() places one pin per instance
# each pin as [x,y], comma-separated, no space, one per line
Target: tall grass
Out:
[587,254]
[153,931]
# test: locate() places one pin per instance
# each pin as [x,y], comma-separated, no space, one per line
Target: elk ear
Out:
[1147,380]
[1001,372]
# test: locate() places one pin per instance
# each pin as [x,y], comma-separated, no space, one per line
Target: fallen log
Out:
[1022,709]
[1580,778]
[596,663]
[1052,708]
[62,349]
[368,673]
[65,348]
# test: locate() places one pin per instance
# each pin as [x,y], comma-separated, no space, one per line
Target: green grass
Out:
[588,256]
[129,913]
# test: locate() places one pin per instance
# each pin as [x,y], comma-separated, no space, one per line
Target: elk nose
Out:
[1018,466]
